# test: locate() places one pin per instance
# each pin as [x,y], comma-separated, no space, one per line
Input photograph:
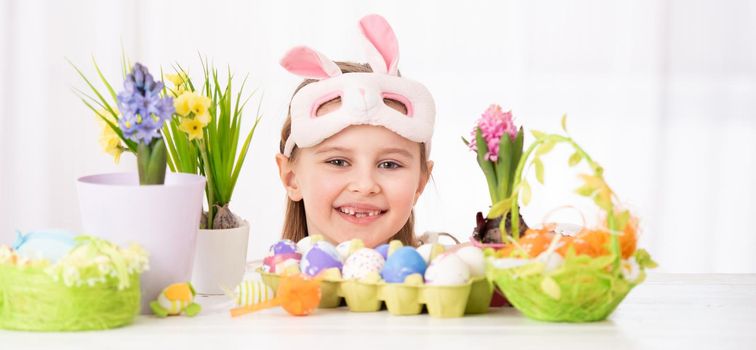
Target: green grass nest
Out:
[96,286]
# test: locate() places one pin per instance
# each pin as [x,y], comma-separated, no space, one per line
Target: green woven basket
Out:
[582,288]
[578,292]
[34,296]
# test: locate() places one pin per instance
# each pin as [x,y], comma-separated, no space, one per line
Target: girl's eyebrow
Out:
[333,149]
[400,151]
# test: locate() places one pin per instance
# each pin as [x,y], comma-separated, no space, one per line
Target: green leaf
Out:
[516,155]
[537,134]
[602,201]
[586,190]
[644,259]
[538,169]
[486,166]
[503,166]
[575,159]
[621,220]
[525,192]
[545,148]
[464,140]
[564,122]
[499,209]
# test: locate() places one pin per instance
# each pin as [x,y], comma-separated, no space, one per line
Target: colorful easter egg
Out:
[346,248]
[50,245]
[304,244]
[383,250]
[285,246]
[402,263]
[362,263]
[252,292]
[281,263]
[447,269]
[321,256]
[474,259]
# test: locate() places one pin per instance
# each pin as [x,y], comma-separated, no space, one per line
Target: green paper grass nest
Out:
[95,286]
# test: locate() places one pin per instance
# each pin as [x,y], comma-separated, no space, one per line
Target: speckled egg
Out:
[447,269]
[321,256]
[473,257]
[402,263]
[362,263]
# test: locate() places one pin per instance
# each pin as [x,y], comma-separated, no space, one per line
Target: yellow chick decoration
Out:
[175,299]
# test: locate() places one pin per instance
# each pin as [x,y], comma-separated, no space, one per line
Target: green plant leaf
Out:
[464,140]
[575,159]
[545,148]
[525,192]
[499,209]
[644,259]
[486,166]
[586,190]
[538,169]
[503,166]
[564,122]
[537,134]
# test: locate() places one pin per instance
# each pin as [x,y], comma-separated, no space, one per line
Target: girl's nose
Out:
[363,181]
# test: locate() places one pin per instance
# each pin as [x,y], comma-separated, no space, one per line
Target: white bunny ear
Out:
[310,64]
[383,48]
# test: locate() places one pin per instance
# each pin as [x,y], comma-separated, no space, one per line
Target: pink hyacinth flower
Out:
[493,124]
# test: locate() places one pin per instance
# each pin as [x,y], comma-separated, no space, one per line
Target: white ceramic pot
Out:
[163,219]
[220,259]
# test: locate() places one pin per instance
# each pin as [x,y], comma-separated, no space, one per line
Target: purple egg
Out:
[383,249]
[320,257]
[285,246]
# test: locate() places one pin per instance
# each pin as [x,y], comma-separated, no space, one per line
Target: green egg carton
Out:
[402,299]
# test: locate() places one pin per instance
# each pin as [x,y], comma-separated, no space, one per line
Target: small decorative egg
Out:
[447,269]
[346,248]
[281,263]
[363,262]
[321,256]
[402,263]
[252,292]
[430,251]
[304,244]
[285,246]
[383,250]
[50,245]
[473,257]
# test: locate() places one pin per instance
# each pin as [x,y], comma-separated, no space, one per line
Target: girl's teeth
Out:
[351,211]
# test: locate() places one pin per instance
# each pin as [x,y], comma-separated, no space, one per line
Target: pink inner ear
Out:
[377,30]
[307,63]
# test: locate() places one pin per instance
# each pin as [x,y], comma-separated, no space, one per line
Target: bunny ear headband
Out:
[362,94]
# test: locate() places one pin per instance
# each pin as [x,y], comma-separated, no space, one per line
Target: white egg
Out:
[473,257]
[363,263]
[447,269]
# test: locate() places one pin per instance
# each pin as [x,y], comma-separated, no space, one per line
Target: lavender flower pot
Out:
[163,219]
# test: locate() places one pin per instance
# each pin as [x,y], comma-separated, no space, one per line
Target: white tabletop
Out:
[695,311]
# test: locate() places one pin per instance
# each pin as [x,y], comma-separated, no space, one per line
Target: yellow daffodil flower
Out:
[109,140]
[177,79]
[181,104]
[192,127]
[199,105]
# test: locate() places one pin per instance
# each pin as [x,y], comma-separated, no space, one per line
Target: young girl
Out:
[355,144]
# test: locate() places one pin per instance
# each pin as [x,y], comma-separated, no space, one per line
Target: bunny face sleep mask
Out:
[362,95]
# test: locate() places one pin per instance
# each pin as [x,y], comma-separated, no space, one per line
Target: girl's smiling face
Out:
[359,183]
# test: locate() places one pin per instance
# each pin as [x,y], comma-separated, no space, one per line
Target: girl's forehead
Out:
[368,138]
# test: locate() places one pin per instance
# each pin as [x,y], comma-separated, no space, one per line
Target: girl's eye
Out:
[389,165]
[338,162]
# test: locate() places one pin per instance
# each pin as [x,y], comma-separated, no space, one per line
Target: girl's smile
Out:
[359,183]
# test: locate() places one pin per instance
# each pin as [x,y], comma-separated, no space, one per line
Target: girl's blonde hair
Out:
[295,221]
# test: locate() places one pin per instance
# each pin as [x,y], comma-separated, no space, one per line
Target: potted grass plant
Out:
[205,137]
[155,209]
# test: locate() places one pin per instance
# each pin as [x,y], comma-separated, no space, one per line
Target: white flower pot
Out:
[163,219]
[220,259]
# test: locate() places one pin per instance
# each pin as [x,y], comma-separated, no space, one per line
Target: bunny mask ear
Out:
[383,47]
[309,64]
[363,95]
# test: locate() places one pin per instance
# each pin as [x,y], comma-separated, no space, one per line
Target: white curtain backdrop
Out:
[662,93]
